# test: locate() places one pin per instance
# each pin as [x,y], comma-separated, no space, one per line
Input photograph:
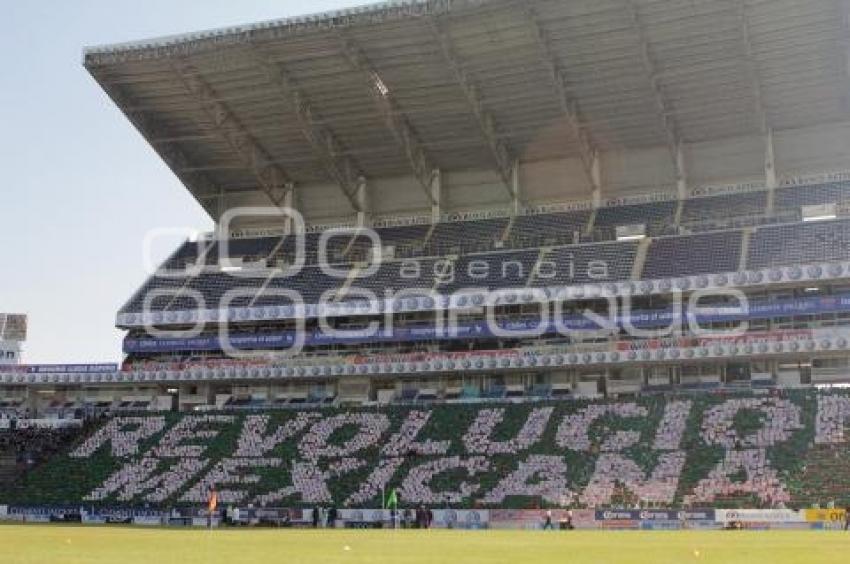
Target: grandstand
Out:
[743,450]
[494,254]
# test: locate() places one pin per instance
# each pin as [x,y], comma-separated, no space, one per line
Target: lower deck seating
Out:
[32,446]
[701,449]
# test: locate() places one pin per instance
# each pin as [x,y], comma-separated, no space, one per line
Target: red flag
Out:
[213,502]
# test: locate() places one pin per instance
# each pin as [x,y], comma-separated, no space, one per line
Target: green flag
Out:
[392,501]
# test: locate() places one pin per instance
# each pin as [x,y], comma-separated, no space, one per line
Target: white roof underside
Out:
[474,85]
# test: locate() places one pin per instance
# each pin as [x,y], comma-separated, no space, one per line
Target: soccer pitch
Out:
[45,544]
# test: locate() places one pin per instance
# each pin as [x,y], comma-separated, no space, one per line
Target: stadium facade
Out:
[13,333]
[573,211]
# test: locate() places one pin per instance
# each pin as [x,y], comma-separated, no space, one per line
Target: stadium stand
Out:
[727,450]
[658,218]
[791,199]
[695,254]
[581,383]
[729,210]
[717,251]
[802,243]
[549,229]
[466,236]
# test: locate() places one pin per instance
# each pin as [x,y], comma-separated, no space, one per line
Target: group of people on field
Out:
[419,518]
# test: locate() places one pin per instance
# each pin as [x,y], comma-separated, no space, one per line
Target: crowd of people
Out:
[659,450]
[33,445]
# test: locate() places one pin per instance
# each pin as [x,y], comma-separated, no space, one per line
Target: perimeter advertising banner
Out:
[657,519]
[824,515]
[656,515]
[535,518]
[770,516]
[103,368]
[644,319]
[626,519]
[443,518]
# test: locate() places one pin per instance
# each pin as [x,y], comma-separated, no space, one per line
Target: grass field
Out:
[45,544]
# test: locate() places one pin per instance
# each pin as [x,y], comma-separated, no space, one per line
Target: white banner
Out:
[759,516]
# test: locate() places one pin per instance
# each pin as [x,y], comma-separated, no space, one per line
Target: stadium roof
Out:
[408,87]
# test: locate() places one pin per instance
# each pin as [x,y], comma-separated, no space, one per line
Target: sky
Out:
[80,188]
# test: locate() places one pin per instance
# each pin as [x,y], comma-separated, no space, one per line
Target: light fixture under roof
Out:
[631,237]
[826,217]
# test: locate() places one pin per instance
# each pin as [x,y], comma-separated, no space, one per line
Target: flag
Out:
[392,501]
[213,501]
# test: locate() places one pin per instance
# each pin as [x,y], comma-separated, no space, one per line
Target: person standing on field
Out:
[548,523]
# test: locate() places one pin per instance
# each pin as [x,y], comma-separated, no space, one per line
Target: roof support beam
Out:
[342,168]
[290,204]
[663,108]
[362,195]
[516,189]
[764,125]
[436,190]
[770,169]
[502,154]
[393,116]
[758,98]
[272,179]
[588,153]
[199,183]
[844,9]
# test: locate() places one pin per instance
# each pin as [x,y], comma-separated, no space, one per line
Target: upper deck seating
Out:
[658,217]
[492,271]
[801,243]
[792,198]
[694,254]
[458,237]
[704,213]
[549,229]
[581,264]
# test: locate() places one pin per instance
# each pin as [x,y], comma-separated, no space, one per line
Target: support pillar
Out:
[681,172]
[288,204]
[770,170]
[220,206]
[362,197]
[596,180]
[435,189]
[516,201]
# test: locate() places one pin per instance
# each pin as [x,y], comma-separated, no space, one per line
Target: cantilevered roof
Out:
[407,87]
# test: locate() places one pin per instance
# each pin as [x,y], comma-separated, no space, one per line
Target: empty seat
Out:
[551,229]
[706,253]
[800,243]
[658,217]
[725,209]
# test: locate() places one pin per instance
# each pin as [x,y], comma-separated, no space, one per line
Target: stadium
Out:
[577,265]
